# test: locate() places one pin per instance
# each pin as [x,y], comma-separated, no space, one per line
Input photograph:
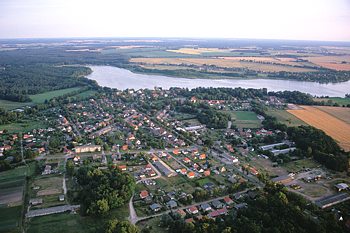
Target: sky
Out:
[326,20]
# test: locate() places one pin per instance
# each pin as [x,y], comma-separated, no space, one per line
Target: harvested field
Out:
[224,63]
[332,62]
[48,186]
[276,60]
[334,127]
[338,112]
[11,196]
[198,51]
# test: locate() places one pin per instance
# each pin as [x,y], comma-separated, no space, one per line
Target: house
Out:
[155,207]
[202,156]
[189,220]
[205,207]
[125,147]
[206,173]
[88,148]
[172,204]
[176,152]
[148,167]
[183,171]
[164,168]
[222,169]
[151,173]
[253,171]
[144,194]
[61,197]
[241,206]
[192,210]
[181,212]
[186,160]
[217,204]
[217,213]
[47,170]
[228,201]
[36,201]
[122,167]
[341,186]
[191,175]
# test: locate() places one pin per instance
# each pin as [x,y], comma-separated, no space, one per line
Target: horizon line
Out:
[169,37]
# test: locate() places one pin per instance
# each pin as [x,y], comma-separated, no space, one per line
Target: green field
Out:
[10,219]
[285,117]
[333,100]
[40,98]
[152,224]
[301,164]
[86,94]
[245,119]
[57,223]
[23,126]
[10,105]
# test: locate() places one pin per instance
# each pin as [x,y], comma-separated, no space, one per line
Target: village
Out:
[180,164]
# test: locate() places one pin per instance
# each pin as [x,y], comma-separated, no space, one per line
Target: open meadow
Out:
[338,129]
[285,117]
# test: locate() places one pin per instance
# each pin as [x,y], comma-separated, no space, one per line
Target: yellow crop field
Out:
[339,130]
[197,51]
[338,112]
[220,62]
[332,62]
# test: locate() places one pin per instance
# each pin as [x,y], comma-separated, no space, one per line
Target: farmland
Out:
[12,185]
[332,62]
[224,63]
[334,127]
[53,223]
[338,112]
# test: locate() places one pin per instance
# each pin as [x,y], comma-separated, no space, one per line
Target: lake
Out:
[122,79]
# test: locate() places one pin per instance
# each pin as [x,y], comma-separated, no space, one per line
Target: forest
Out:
[18,82]
[103,190]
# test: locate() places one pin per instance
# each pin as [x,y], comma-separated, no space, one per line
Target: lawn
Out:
[23,126]
[301,164]
[285,117]
[10,105]
[40,98]
[245,119]
[10,219]
[152,224]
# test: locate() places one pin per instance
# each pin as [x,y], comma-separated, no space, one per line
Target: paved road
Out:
[138,219]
